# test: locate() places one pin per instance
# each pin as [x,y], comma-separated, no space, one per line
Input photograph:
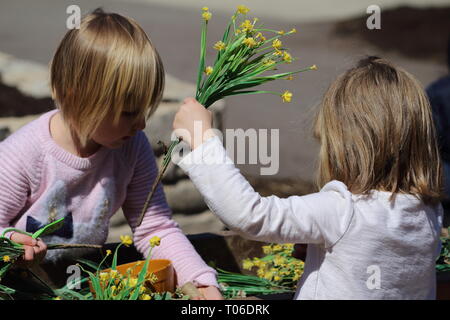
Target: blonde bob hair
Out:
[376,133]
[107,65]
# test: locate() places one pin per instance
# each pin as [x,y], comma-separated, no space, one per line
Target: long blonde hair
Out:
[107,65]
[376,133]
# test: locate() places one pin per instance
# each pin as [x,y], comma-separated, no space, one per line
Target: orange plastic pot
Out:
[162,268]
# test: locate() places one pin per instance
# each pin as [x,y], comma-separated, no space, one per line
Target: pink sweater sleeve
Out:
[15,177]
[174,246]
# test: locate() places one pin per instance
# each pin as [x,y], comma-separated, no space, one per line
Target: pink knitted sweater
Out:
[41,182]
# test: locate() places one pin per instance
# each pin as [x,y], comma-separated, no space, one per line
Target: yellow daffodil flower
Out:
[282,32]
[268,62]
[208,70]
[242,9]
[219,45]
[126,240]
[286,96]
[313,67]
[205,8]
[108,252]
[287,57]
[277,44]
[206,15]
[247,26]
[6,259]
[267,249]
[155,241]
[250,42]
[247,264]
[146,297]
[104,276]
[113,274]
[290,77]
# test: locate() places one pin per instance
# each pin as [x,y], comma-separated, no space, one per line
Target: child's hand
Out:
[191,112]
[35,249]
[210,293]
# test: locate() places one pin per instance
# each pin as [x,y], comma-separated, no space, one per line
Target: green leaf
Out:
[48,229]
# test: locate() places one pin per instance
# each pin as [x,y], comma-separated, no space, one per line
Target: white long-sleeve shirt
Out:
[360,247]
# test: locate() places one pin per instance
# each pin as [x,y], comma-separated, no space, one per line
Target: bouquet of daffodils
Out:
[246,52]
[276,272]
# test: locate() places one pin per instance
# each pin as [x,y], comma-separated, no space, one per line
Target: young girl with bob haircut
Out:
[89,157]
[373,229]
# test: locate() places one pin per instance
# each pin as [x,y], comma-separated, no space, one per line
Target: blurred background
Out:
[331,34]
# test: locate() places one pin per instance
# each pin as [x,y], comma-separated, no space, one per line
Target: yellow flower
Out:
[278,247]
[238,31]
[268,62]
[219,45]
[132,282]
[247,26]
[155,241]
[267,249]
[286,96]
[281,32]
[247,264]
[113,288]
[290,77]
[287,57]
[57,298]
[205,8]
[277,278]
[278,260]
[313,67]
[242,9]
[277,52]
[277,44]
[113,273]
[260,273]
[208,70]
[6,259]
[206,15]
[126,240]
[250,42]
[146,297]
[293,30]
[108,252]
[268,275]
[259,35]
[153,278]
[104,276]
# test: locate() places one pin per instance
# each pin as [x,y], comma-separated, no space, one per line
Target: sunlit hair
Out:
[108,65]
[376,133]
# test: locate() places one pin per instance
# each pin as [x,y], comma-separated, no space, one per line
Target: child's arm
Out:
[15,164]
[158,222]
[316,218]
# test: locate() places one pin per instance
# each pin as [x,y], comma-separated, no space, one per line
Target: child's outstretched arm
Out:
[316,218]
[158,222]
[18,176]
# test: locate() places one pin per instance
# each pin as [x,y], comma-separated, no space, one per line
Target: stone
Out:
[199,223]
[4,132]
[184,197]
